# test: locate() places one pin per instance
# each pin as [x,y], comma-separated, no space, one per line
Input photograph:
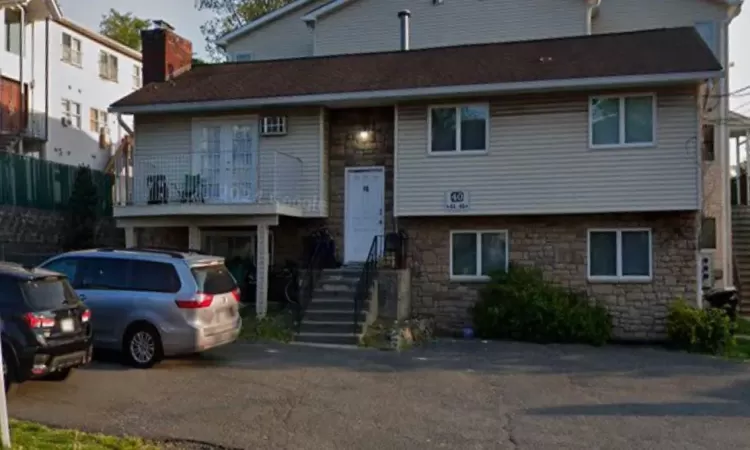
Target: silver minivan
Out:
[150,303]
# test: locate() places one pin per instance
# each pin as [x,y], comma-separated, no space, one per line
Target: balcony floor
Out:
[199,210]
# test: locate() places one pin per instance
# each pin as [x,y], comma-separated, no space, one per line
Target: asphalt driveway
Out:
[457,395]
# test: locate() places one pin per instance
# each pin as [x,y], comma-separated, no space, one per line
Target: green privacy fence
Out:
[34,183]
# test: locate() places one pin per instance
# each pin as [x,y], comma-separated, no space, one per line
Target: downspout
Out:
[724,152]
[46,85]
[591,6]
[22,49]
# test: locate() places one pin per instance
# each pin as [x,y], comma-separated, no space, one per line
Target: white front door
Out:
[364,211]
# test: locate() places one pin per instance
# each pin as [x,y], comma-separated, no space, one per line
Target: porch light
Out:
[364,136]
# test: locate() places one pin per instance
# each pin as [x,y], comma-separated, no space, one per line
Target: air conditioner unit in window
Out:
[273,126]
[66,122]
[708,277]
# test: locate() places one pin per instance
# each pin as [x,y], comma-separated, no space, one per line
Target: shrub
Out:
[521,305]
[83,211]
[700,330]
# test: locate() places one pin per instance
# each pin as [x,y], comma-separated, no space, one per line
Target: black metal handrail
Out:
[367,277]
[314,264]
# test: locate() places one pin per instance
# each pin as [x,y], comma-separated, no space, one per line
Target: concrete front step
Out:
[341,274]
[346,285]
[332,315]
[333,304]
[337,292]
[327,338]
[345,327]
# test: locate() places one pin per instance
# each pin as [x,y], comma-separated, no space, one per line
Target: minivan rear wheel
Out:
[142,347]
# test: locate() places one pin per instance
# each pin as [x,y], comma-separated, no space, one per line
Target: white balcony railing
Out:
[220,177]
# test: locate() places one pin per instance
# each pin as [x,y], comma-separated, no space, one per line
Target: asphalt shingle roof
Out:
[649,52]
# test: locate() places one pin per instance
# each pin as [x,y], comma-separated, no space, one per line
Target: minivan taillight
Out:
[201,300]
[86,316]
[237,294]
[35,320]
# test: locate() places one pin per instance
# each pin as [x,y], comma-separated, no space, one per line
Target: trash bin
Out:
[726,299]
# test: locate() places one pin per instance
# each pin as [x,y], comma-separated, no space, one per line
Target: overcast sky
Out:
[187,21]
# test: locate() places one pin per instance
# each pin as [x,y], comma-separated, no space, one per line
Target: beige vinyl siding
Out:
[539,162]
[302,143]
[373,25]
[287,37]
[286,164]
[629,15]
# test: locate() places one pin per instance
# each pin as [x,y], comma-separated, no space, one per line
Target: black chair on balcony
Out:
[193,191]
[158,192]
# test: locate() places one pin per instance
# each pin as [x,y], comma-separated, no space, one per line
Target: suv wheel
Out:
[142,347]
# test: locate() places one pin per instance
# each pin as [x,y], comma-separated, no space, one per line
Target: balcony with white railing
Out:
[226,182]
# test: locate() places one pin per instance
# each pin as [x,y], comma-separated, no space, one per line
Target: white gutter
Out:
[442,91]
[313,16]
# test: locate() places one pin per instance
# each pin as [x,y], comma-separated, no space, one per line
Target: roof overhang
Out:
[312,16]
[396,95]
[260,21]
[36,9]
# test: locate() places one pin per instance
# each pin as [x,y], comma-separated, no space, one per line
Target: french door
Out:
[225,158]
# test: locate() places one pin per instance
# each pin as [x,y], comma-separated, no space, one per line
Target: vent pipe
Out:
[405,15]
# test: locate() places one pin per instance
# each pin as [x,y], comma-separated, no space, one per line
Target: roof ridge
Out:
[448,47]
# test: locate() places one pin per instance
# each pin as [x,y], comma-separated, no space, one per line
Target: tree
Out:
[123,28]
[230,15]
[83,212]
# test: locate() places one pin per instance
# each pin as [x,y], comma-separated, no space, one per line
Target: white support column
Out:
[261,277]
[194,238]
[738,184]
[130,237]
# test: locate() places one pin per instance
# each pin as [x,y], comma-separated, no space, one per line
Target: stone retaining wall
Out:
[558,245]
[30,235]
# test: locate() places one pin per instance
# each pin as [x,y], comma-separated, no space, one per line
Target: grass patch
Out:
[276,326]
[741,349]
[32,436]
[742,326]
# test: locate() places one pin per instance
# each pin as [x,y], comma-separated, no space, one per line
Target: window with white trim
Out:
[71,50]
[137,77]
[622,121]
[458,129]
[97,120]
[620,254]
[273,126]
[476,254]
[71,111]
[108,66]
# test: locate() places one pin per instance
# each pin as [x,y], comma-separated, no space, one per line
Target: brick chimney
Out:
[165,54]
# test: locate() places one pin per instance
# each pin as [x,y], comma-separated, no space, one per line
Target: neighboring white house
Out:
[71,74]
[90,71]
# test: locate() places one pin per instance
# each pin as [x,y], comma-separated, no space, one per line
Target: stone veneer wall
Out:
[346,151]
[557,245]
[31,235]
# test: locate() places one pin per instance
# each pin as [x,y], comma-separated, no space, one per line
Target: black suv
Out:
[46,329]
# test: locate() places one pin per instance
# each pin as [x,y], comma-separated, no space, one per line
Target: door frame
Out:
[347,171]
